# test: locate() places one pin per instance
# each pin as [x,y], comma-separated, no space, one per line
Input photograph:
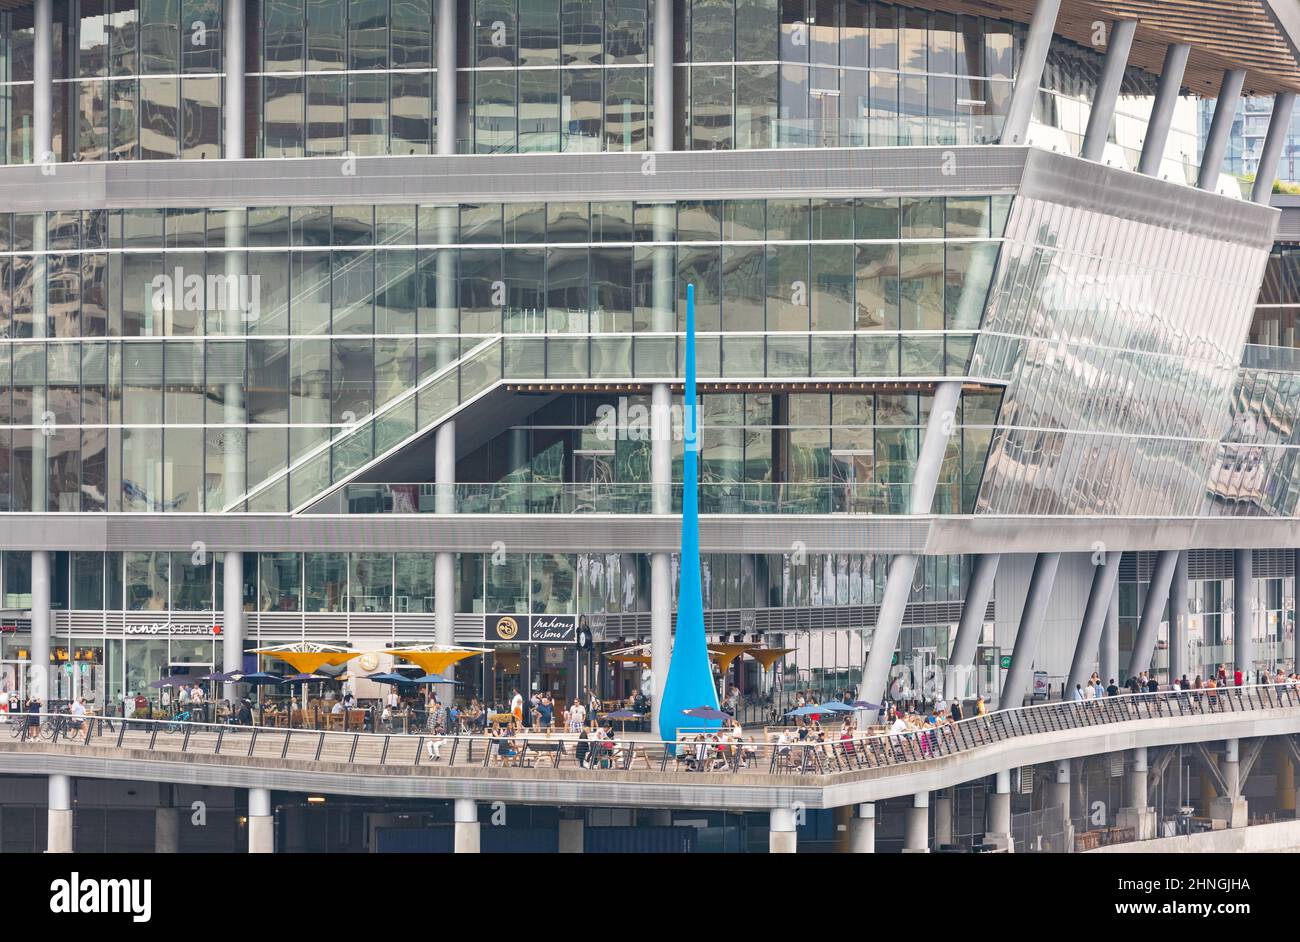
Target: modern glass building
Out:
[363,323]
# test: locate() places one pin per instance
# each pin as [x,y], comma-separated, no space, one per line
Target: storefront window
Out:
[507,583]
[146,661]
[18,579]
[191,582]
[281,583]
[372,582]
[326,581]
[146,581]
[554,578]
[413,579]
[87,581]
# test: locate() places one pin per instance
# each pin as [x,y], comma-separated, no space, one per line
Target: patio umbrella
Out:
[623,716]
[260,679]
[165,682]
[388,678]
[706,713]
[835,706]
[308,656]
[808,710]
[433,679]
[864,705]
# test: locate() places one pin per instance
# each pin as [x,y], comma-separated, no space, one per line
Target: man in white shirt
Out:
[78,712]
[337,709]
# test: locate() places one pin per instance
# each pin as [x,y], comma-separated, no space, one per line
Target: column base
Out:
[261,833]
[467,837]
[572,837]
[1141,820]
[782,842]
[917,838]
[1002,842]
[1229,813]
[166,830]
[862,835]
[58,838]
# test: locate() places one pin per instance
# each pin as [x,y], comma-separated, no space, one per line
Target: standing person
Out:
[517,706]
[546,710]
[1078,693]
[1112,689]
[593,706]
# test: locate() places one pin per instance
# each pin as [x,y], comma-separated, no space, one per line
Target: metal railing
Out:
[538,750]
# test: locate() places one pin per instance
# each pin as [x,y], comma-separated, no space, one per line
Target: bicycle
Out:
[174,724]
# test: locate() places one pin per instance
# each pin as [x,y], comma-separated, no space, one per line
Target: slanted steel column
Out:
[971,627]
[1104,578]
[1278,126]
[1216,142]
[1032,60]
[1030,630]
[1118,45]
[1108,655]
[1153,608]
[1243,610]
[898,583]
[1178,620]
[1162,113]
[43,85]
[446,96]
[232,25]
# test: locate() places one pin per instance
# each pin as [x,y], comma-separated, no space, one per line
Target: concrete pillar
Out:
[661,575]
[662,115]
[261,822]
[916,836]
[1162,112]
[663,320]
[232,618]
[1060,795]
[58,820]
[998,827]
[1118,44]
[898,583]
[467,826]
[1136,813]
[862,829]
[446,93]
[943,808]
[43,82]
[1104,578]
[1279,125]
[1016,684]
[1108,655]
[1216,142]
[39,677]
[232,25]
[1178,610]
[782,838]
[1032,59]
[971,627]
[1153,610]
[572,834]
[166,830]
[1243,611]
[444,563]
[1230,810]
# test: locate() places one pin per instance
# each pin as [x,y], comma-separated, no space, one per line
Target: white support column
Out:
[1178,611]
[998,827]
[232,618]
[39,675]
[1162,112]
[782,837]
[663,320]
[971,627]
[1136,812]
[446,94]
[1279,124]
[916,834]
[1231,808]
[1032,60]
[1118,44]
[444,563]
[58,821]
[1061,796]
[662,115]
[1216,142]
[1243,611]
[1153,611]
[261,822]
[43,82]
[467,826]
[1104,578]
[943,806]
[572,833]
[898,582]
[1016,684]
[862,829]
[232,25]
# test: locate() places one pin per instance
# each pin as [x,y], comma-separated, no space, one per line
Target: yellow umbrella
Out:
[768,656]
[307,656]
[724,654]
[637,654]
[434,658]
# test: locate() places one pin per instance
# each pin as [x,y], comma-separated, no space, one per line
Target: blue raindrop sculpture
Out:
[690,674]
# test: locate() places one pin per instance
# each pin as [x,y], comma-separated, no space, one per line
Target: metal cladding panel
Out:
[751,174]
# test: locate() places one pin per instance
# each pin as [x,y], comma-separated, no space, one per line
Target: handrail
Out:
[541,750]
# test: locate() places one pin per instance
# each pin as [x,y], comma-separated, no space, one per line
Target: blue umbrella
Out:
[806,711]
[305,678]
[835,706]
[706,713]
[864,705]
[430,679]
[388,678]
[260,678]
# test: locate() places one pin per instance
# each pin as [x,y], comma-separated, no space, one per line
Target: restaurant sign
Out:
[167,628]
[530,629]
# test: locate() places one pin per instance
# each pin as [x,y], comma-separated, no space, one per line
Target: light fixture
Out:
[315,799]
